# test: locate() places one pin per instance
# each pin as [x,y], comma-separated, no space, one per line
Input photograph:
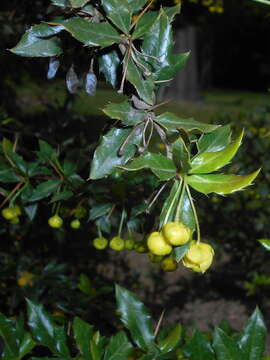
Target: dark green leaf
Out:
[8,333]
[186,214]
[144,24]
[160,165]
[180,251]
[199,348]
[171,11]
[78,3]
[99,210]
[46,152]
[8,175]
[136,5]
[91,34]
[83,333]
[26,345]
[219,183]
[172,339]
[135,317]
[45,189]
[216,140]
[108,65]
[45,30]
[125,112]
[253,337]
[181,156]
[119,347]
[175,63]
[106,156]
[225,347]
[119,15]
[64,195]
[60,3]
[18,162]
[173,123]
[207,162]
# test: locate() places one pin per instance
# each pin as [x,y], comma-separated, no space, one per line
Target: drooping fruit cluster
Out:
[199,257]
[12,214]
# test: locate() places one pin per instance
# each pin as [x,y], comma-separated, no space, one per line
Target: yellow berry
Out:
[100,243]
[17,210]
[75,224]
[117,243]
[15,220]
[55,222]
[199,257]
[176,233]
[169,264]
[158,245]
[8,213]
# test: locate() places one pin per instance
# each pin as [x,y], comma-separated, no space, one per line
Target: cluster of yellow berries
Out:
[199,256]
[118,244]
[12,214]
[56,222]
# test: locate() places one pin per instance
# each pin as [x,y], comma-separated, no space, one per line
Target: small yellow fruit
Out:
[15,220]
[129,244]
[8,213]
[169,264]
[17,210]
[176,233]
[199,257]
[158,245]
[117,243]
[100,243]
[75,224]
[55,222]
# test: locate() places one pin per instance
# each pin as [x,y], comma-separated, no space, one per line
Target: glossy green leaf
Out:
[63,195]
[186,214]
[46,151]
[125,112]
[26,345]
[225,347]
[180,252]
[253,337]
[18,162]
[8,334]
[32,45]
[107,157]
[172,339]
[136,5]
[99,210]
[83,332]
[91,34]
[119,15]
[143,87]
[108,65]
[160,165]
[265,243]
[44,330]
[216,140]
[175,62]
[199,348]
[60,3]
[265,2]
[135,317]
[8,175]
[171,11]
[45,189]
[219,183]
[181,156]
[78,3]
[45,30]
[173,123]
[119,347]
[208,162]
[144,24]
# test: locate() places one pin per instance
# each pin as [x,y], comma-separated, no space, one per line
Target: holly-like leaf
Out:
[8,334]
[125,112]
[143,87]
[108,65]
[99,210]
[171,340]
[135,317]
[181,156]
[26,345]
[144,24]
[253,337]
[265,243]
[208,162]
[225,347]
[160,165]
[136,5]
[78,3]
[199,348]
[173,123]
[107,157]
[171,11]
[216,140]
[119,15]
[8,175]
[91,34]
[118,348]
[83,333]
[44,189]
[219,183]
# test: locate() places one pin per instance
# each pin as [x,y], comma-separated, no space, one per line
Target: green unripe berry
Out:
[15,220]
[75,224]
[100,243]
[117,243]
[129,244]
[8,213]
[169,264]
[140,247]
[17,210]
[80,212]
[55,222]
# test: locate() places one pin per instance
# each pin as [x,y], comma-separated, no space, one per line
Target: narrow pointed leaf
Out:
[172,339]
[119,347]
[135,317]
[125,112]
[44,189]
[106,156]
[208,162]
[8,334]
[181,156]
[219,183]
[91,34]
[160,165]
[119,15]
[108,65]
[173,123]
[216,140]
[253,337]
[83,333]
[199,348]
[225,347]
